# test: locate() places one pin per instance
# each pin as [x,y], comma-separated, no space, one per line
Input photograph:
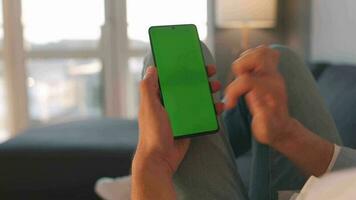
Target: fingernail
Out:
[148,70]
[224,100]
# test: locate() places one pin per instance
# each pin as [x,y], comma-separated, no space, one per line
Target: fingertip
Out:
[215,85]
[219,108]
[229,105]
[149,70]
[211,69]
[224,100]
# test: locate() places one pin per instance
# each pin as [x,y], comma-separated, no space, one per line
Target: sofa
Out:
[63,161]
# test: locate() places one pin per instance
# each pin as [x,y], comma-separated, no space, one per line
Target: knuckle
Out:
[235,63]
[230,89]
[262,46]
[271,100]
[245,82]
[263,51]
[235,66]
[245,79]
[268,57]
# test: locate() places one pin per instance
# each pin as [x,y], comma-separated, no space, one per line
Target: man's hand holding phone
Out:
[158,155]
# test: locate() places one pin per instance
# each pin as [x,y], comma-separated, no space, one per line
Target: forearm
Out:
[308,151]
[150,181]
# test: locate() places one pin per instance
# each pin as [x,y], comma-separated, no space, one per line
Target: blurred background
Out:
[65,60]
[69,74]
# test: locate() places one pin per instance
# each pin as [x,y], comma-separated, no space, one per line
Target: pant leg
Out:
[308,107]
[305,101]
[208,171]
[271,171]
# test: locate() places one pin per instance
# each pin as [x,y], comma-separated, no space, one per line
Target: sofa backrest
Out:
[337,85]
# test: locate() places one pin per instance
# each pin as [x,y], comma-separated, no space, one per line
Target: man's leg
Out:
[208,171]
[271,171]
[307,106]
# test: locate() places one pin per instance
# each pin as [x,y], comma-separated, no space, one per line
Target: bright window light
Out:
[63,89]
[1,24]
[55,20]
[3,111]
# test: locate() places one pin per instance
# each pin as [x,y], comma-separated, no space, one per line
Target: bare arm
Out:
[308,151]
[151,181]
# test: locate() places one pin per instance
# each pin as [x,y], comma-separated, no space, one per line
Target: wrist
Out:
[151,179]
[150,163]
[288,136]
[307,150]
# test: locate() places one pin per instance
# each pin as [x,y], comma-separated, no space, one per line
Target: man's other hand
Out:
[258,79]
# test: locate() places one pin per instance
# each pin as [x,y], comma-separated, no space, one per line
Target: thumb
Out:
[149,85]
[151,73]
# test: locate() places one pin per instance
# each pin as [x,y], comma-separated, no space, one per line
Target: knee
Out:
[289,61]
[284,51]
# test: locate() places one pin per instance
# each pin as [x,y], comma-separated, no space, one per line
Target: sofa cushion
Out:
[63,161]
[337,85]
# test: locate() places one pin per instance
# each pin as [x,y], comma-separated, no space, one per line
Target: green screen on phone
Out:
[183,80]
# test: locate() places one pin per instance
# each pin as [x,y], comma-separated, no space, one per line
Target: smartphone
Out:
[183,80]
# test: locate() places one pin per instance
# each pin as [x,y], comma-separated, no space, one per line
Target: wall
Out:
[334,31]
[292,30]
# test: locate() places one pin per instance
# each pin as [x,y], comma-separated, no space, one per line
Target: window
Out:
[63,64]
[62,24]
[63,89]
[3,131]
[143,14]
[83,58]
